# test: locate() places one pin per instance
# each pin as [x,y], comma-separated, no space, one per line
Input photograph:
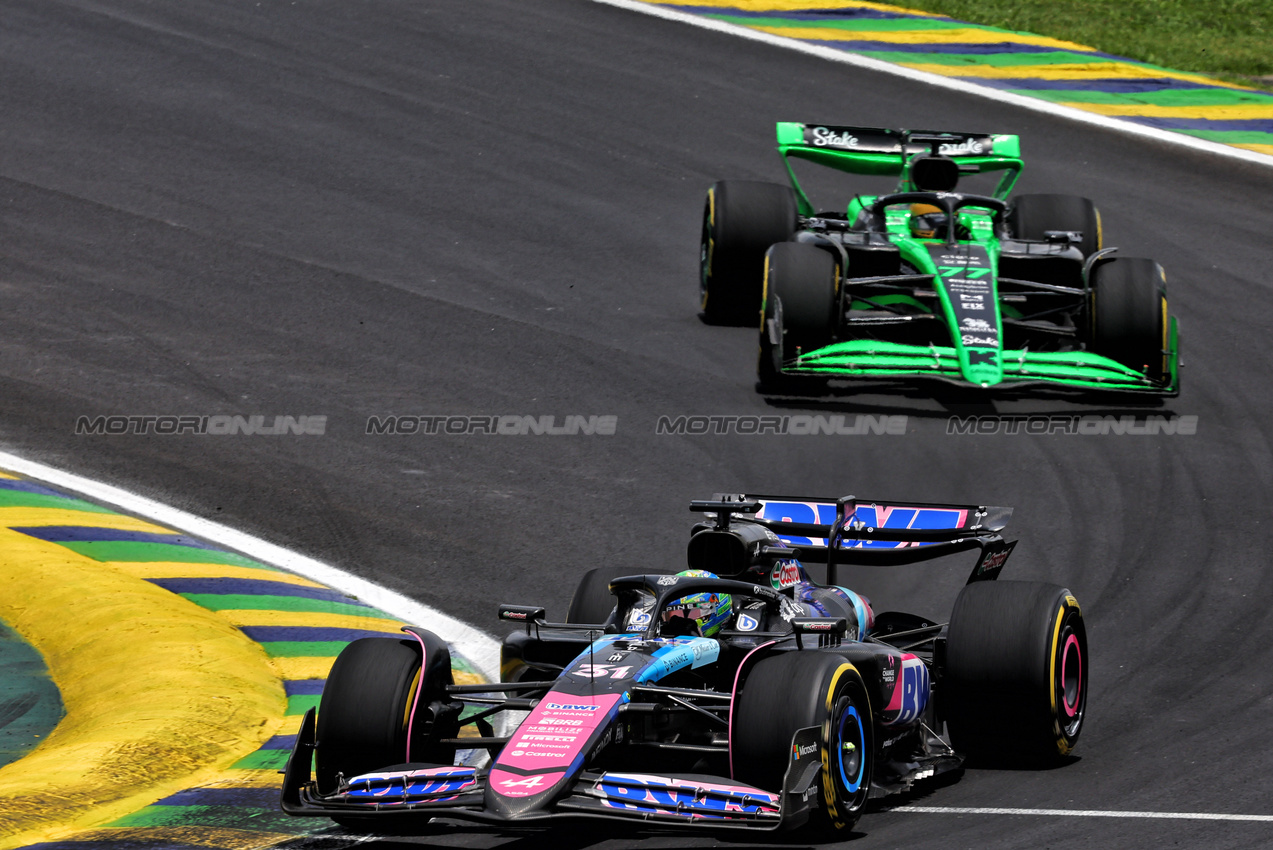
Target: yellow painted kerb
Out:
[797,5]
[885,38]
[160,694]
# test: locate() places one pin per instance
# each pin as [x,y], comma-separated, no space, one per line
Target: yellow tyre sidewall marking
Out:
[411,694]
[764,306]
[764,294]
[1062,746]
[160,694]
[828,783]
[711,244]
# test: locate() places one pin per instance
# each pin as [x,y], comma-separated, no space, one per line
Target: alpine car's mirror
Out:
[522,614]
[828,629]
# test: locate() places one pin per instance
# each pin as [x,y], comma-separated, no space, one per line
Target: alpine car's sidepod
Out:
[802,706]
[929,282]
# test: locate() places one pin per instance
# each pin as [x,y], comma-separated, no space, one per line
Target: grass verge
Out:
[1227,39]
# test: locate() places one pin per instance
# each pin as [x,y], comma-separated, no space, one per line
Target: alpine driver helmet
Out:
[700,614]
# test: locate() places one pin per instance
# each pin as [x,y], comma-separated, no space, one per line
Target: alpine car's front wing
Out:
[459,792]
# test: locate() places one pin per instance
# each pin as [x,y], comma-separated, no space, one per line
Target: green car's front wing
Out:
[1074,370]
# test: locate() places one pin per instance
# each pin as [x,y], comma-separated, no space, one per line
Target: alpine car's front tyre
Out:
[1033,215]
[788,692]
[377,699]
[1014,690]
[1129,315]
[801,300]
[741,219]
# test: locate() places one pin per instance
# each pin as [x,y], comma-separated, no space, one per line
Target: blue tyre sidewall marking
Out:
[854,785]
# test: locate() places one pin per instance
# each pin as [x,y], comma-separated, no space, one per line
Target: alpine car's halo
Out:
[929,282]
[800,705]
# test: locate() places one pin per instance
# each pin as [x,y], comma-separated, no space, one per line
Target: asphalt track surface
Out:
[357,209]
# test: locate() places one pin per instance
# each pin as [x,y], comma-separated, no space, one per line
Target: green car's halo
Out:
[931,282]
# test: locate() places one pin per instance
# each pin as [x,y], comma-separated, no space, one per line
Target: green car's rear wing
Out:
[874,150]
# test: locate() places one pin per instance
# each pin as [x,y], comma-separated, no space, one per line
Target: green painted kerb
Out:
[30,705]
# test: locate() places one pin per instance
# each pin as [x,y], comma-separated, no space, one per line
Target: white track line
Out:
[475,645]
[845,58]
[1080,813]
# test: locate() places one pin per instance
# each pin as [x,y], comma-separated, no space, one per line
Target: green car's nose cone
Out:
[981,366]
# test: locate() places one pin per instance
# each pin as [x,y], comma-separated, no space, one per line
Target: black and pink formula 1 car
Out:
[737,694]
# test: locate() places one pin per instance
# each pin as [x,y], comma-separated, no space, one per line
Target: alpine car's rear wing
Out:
[875,150]
[857,531]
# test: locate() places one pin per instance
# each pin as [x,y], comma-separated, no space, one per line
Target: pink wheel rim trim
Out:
[415,700]
[1071,710]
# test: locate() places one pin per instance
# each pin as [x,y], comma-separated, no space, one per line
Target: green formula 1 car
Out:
[930,282]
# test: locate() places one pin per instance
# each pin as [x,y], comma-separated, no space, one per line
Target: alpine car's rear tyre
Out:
[1129,314]
[374,696]
[741,219]
[593,602]
[1014,689]
[788,692]
[1033,215]
[801,301]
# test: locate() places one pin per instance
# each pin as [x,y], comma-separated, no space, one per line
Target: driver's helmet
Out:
[927,222]
[700,614]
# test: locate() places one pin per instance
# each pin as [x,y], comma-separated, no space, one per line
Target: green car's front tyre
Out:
[1129,320]
[741,219]
[801,303]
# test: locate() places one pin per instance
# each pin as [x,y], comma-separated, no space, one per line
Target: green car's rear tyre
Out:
[1033,215]
[374,696]
[741,219]
[1014,689]
[788,692]
[1129,314]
